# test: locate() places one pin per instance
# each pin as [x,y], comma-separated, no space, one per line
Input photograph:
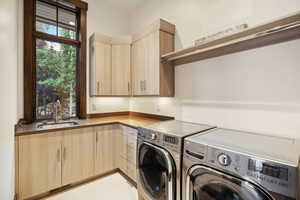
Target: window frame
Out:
[30,36]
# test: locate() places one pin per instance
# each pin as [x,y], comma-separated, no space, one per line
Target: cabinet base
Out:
[74,185]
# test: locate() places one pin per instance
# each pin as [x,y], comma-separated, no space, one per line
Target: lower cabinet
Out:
[78,155]
[105,160]
[48,161]
[39,164]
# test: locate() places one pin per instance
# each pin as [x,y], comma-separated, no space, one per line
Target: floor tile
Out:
[113,187]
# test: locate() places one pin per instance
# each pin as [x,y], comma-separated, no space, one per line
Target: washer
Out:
[234,165]
[159,158]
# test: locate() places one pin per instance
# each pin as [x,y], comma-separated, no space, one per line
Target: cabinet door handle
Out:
[98,87]
[128,87]
[145,85]
[65,153]
[141,85]
[97,138]
[58,155]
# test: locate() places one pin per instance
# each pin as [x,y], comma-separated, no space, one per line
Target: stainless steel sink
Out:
[61,124]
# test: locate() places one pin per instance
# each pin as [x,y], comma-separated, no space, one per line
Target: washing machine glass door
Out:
[208,184]
[156,172]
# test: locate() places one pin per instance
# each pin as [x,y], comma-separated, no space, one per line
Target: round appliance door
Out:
[156,171]
[208,184]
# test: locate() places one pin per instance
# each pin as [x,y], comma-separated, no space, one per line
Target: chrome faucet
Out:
[57,112]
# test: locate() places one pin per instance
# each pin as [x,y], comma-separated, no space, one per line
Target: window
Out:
[54,58]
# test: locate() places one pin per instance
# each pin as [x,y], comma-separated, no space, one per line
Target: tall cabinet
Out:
[150,76]
[110,65]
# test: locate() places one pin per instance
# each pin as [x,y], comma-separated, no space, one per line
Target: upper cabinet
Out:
[100,62]
[121,66]
[110,66]
[150,77]
[125,66]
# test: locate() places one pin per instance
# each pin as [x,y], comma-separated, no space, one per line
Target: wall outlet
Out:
[157,108]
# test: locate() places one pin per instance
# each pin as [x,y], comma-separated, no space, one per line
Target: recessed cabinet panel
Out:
[39,164]
[105,149]
[103,69]
[121,83]
[78,154]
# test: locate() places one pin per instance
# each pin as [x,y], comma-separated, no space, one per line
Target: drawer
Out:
[131,155]
[131,170]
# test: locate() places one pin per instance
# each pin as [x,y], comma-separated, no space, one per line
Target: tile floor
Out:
[113,187]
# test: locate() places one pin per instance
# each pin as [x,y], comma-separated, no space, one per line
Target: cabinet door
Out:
[103,69]
[105,149]
[151,65]
[78,154]
[121,70]
[121,154]
[39,164]
[138,51]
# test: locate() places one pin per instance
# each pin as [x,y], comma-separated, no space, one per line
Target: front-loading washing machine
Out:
[234,165]
[159,158]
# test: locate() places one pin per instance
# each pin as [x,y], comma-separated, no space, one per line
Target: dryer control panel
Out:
[274,176]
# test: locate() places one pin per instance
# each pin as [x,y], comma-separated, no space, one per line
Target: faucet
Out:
[57,111]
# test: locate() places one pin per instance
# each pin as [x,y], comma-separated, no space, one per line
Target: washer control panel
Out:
[165,140]
[274,176]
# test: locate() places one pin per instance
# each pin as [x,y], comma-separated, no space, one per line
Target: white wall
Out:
[256,90]
[8,100]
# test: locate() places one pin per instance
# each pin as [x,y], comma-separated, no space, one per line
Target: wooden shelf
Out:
[278,31]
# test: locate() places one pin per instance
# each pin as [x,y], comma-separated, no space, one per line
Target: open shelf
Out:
[275,32]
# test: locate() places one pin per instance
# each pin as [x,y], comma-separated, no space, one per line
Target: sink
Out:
[61,124]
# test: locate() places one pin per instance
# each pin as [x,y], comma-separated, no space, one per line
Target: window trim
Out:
[30,36]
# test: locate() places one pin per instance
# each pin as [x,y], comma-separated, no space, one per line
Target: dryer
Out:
[159,158]
[234,165]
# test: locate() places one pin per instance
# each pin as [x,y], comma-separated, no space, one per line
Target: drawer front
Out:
[131,171]
[131,155]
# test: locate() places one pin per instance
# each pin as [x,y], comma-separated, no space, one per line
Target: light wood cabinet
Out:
[39,163]
[105,160]
[151,77]
[49,161]
[110,65]
[78,155]
[100,62]
[121,66]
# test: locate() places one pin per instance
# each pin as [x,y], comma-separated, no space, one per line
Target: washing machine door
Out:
[156,171]
[204,183]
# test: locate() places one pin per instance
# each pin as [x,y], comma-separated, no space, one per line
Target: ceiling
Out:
[124,4]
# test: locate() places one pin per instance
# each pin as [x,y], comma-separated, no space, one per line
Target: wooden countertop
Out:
[127,120]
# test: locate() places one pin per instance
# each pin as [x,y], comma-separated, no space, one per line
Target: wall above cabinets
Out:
[130,65]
